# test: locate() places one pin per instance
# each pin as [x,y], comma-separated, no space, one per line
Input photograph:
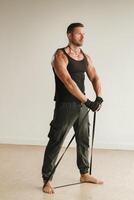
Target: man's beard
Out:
[77,43]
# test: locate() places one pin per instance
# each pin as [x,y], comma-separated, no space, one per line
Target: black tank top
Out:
[77,71]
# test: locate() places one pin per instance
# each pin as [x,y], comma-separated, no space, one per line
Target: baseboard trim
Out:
[22,141]
[43,142]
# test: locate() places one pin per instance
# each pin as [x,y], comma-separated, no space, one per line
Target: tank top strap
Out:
[85,58]
[63,49]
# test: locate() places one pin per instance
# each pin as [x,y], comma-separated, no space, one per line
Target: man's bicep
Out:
[91,72]
[61,72]
[60,68]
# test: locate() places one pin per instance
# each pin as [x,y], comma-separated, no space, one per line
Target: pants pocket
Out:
[53,129]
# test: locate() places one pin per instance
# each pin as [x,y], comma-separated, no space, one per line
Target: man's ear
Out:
[69,36]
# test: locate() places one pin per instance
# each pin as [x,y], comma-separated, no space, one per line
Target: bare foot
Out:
[89,179]
[48,188]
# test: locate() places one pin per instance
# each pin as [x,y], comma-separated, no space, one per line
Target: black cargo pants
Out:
[66,116]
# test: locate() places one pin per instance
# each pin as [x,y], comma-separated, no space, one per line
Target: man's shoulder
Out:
[60,53]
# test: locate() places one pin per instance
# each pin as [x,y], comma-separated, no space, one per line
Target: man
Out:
[70,65]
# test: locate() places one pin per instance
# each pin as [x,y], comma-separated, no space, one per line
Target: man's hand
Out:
[94,105]
[99,100]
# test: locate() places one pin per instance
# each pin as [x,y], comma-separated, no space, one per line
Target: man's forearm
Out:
[74,90]
[97,86]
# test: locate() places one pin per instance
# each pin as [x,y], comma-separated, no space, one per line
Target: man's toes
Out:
[90,179]
[48,189]
[100,182]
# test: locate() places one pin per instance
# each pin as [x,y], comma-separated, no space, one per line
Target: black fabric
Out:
[77,71]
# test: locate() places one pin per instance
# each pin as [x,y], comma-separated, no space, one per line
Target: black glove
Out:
[99,100]
[94,105]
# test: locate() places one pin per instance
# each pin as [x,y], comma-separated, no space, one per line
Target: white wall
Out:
[30,32]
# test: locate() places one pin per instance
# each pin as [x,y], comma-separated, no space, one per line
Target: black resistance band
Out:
[93,133]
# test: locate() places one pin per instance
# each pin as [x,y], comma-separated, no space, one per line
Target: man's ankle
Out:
[84,174]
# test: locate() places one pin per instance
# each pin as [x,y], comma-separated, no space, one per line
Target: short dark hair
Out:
[72,26]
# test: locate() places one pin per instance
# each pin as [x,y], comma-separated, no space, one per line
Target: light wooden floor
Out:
[20,175]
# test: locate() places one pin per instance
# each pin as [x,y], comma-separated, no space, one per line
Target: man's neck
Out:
[75,49]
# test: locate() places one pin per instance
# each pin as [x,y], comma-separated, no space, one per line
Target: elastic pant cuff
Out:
[46,178]
[84,171]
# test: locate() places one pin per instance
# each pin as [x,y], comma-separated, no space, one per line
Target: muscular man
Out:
[71,103]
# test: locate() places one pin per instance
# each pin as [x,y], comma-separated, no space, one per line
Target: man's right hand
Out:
[94,105]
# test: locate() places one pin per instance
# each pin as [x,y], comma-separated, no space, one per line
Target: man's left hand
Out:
[99,100]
